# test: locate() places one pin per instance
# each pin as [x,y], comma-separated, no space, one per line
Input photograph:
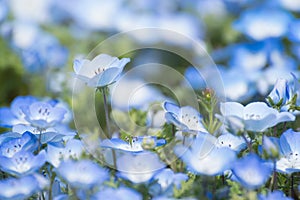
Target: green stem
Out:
[273,184]
[40,141]
[108,135]
[51,185]
[114,159]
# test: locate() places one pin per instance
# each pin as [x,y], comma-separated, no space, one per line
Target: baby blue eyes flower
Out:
[82,174]
[204,157]
[231,141]
[121,193]
[251,172]
[137,144]
[23,187]
[257,23]
[166,180]
[72,150]
[185,118]
[14,115]
[139,168]
[103,70]
[43,115]
[290,150]
[256,116]
[26,142]
[279,94]
[22,163]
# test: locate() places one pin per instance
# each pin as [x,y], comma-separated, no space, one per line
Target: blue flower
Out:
[56,154]
[251,172]
[257,23]
[83,174]
[43,115]
[277,194]
[185,118]
[26,142]
[233,142]
[294,31]
[3,9]
[256,116]
[121,193]
[56,133]
[290,152]
[23,187]
[194,78]
[139,168]
[14,115]
[280,93]
[204,157]
[22,163]
[137,144]
[103,70]
[166,180]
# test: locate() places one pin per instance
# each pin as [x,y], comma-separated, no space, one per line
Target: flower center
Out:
[252,116]
[99,70]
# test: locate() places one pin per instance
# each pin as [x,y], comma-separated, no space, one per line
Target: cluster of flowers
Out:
[43,156]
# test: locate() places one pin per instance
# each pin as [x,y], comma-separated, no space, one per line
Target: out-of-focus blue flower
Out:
[277,194]
[204,157]
[166,180]
[22,163]
[139,168]
[57,154]
[233,142]
[26,142]
[82,174]
[103,70]
[3,10]
[14,115]
[185,118]
[57,133]
[135,93]
[256,116]
[257,23]
[43,115]
[290,5]
[38,49]
[23,187]
[290,152]
[237,84]
[251,172]
[194,78]
[294,31]
[137,144]
[121,193]
[270,145]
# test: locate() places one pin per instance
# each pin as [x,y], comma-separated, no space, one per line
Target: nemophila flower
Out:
[136,144]
[23,187]
[166,180]
[270,146]
[14,115]
[290,5]
[139,168]
[257,23]
[82,174]
[26,142]
[277,194]
[204,157]
[256,116]
[22,163]
[294,30]
[56,154]
[43,115]
[185,118]
[251,172]
[56,133]
[103,70]
[3,10]
[290,152]
[121,193]
[231,141]
[280,93]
